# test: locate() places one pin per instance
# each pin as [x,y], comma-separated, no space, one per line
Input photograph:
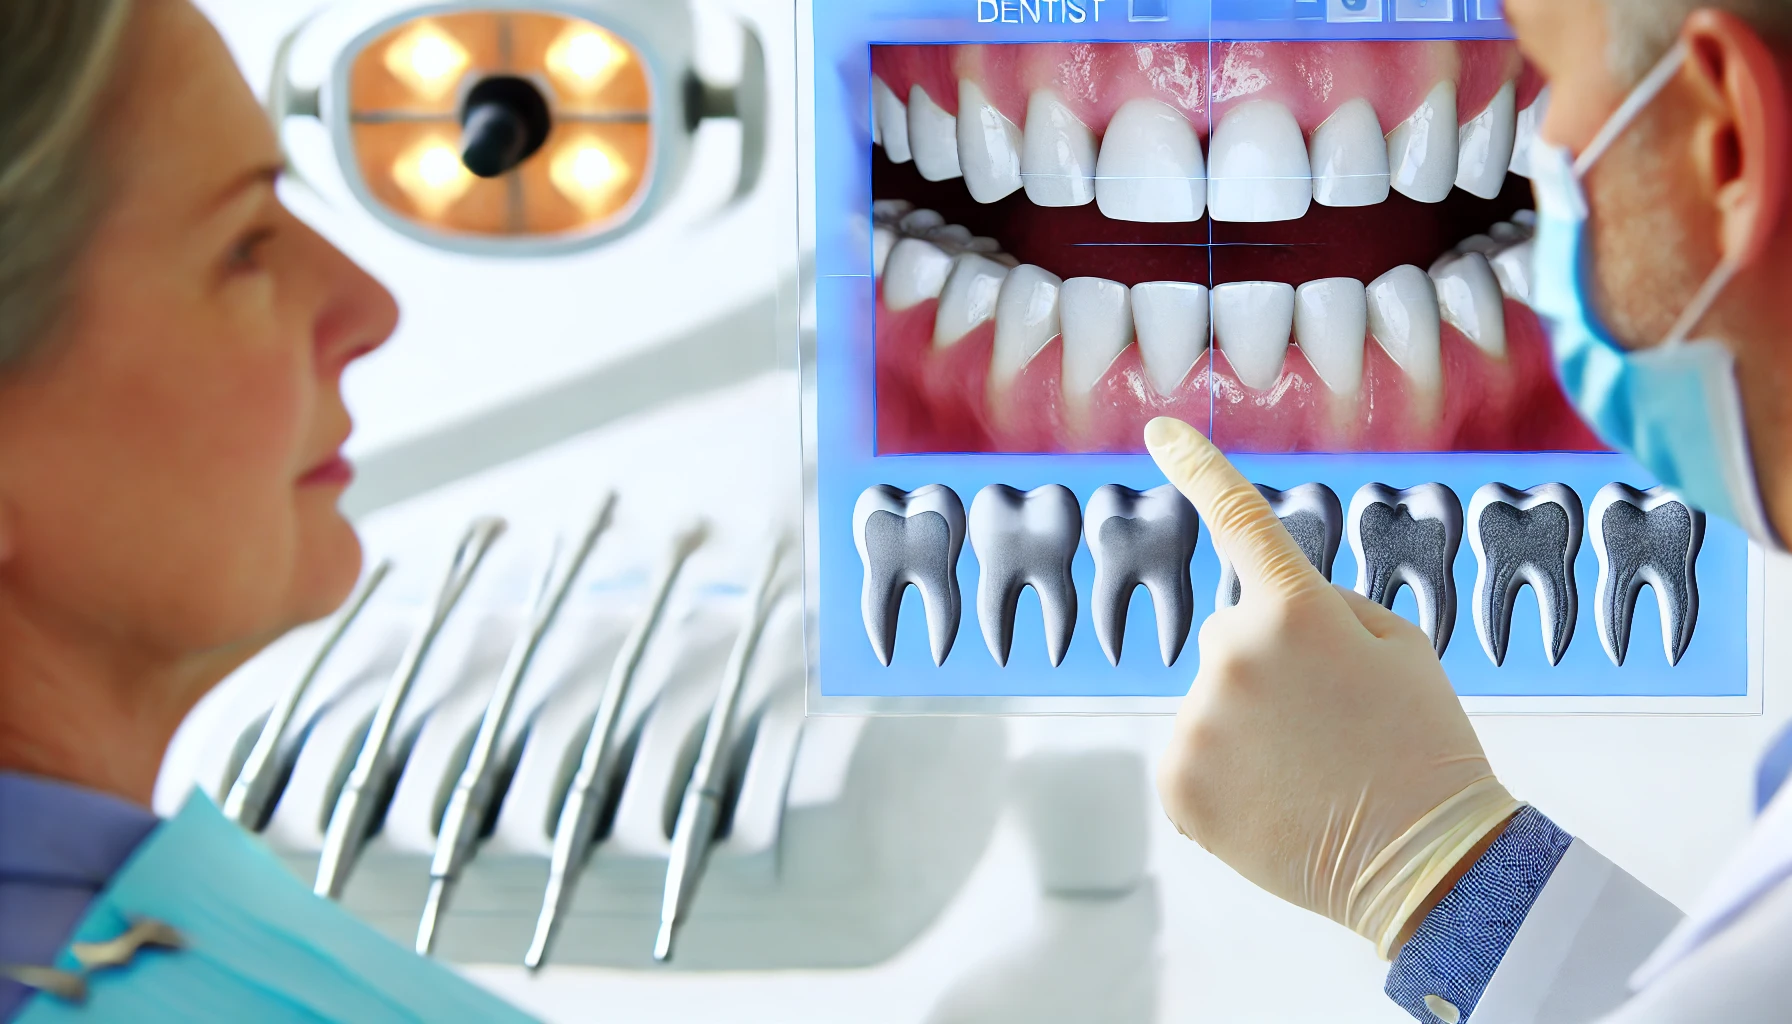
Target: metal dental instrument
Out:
[585,798]
[471,801]
[702,804]
[351,817]
[247,802]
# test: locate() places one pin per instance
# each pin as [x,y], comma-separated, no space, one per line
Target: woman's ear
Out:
[1742,134]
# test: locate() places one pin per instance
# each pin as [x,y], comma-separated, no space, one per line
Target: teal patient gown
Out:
[255,945]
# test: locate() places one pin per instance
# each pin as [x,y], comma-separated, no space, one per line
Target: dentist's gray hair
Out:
[56,59]
[1642,30]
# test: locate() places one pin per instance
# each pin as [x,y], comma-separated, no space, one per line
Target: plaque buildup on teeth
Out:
[1522,537]
[1646,537]
[1409,538]
[1312,515]
[1142,538]
[910,537]
[1021,540]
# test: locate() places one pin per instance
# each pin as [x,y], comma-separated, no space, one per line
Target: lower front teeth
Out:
[1170,318]
[1468,296]
[969,298]
[915,272]
[1097,322]
[1403,317]
[1252,321]
[1026,321]
[1331,318]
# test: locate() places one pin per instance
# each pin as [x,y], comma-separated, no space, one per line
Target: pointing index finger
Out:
[1242,523]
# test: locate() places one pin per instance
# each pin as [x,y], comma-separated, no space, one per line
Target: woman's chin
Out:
[328,566]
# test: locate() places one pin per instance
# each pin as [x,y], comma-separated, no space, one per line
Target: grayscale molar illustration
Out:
[1025,540]
[1522,537]
[1313,516]
[910,537]
[1646,537]
[1148,538]
[1409,538]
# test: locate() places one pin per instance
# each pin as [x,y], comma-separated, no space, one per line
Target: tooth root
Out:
[1252,322]
[1512,268]
[1422,148]
[1468,297]
[914,273]
[1142,538]
[1349,157]
[892,121]
[1331,323]
[1313,516]
[1529,120]
[969,299]
[1404,319]
[1024,540]
[988,146]
[883,239]
[1057,159]
[932,137]
[1097,323]
[1026,320]
[1522,537]
[1150,168]
[1484,145]
[1646,537]
[1257,165]
[1409,538]
[904,538]
[1170,318]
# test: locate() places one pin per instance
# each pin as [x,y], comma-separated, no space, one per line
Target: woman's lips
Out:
[335,472]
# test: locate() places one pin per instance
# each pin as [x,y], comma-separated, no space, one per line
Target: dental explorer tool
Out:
[585,798]
[702,804]
[351,817]
[247,802]
[471,801]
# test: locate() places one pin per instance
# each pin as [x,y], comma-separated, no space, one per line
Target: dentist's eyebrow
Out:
[259,175]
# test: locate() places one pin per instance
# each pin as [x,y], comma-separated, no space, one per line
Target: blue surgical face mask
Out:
[1676,407]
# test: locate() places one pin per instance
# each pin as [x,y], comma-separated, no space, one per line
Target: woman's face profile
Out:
[169,467]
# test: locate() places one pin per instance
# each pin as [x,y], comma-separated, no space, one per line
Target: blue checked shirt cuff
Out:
[1459,945]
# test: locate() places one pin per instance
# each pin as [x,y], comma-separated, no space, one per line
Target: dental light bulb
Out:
[432,175]
[428,60]
[584,58]
[587,172]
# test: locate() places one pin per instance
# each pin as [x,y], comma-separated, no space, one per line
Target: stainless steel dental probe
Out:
[471,800]
[585,798]
[350,818]
[702,804]
[247,802]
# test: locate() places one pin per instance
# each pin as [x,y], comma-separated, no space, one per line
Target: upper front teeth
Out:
[1258,165]
[1525,133]
[892,121]
[1522,537]
[1024,540]
[1312,515]
[1646,537]
[910,537]
[1142,538]
[1409,538]
[1350,157]
[1485,145]
[1422,149]
[1150,168]
[988,146]
[932,137]
[1058,154]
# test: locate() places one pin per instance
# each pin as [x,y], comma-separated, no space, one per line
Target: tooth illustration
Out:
[1257,165]
[1170,318]
[1150,168]
[1522,537]
[1484,145]
[1468,296]
[890,211]
[988,146]
[1097,322]
[1529,119]
[932,137]
[1422,148]
[1403,317]
[918,223]
[914,273]
[1409,538]
[1349,157]
[1314,518]
[1142,538]
[892,121]
[1646,537]
[883,239]
[1331,320]
[1512,267]
[910,537]
[1057,157]
[969,298]
[1252,322]
[1026,320]
[1024,540]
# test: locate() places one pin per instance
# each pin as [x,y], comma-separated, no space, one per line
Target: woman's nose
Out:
[358,314]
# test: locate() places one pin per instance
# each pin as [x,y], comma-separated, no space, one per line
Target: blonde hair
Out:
[1642,30]
[56,59]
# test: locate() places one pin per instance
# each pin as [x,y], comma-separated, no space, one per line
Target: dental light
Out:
[519,128]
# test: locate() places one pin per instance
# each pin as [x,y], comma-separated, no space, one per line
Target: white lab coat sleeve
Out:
[1738,974]
[1571,960]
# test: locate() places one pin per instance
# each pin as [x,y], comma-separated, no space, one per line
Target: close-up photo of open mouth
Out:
[1294,246]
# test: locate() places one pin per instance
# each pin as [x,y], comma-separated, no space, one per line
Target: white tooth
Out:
[951,237]
[1468,296]
[889,211]
[892,121]
[1150,169]
[1057,158]
[1350,157]
[1485,146]
[1171,320]
[932,137]
[1331,321]
[1422,148]
[883,239]
[1507,233]
[1529,119]
[1026,319]
[1257,165]
[1403,316]
[1097,317]
[1526,219]
[988,146]
[915,272]
[969,299]
[1252,322]
[1486,245]
[983,244]
[917,223]
[1513,270]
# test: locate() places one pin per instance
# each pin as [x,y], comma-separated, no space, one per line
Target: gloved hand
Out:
[1321,751]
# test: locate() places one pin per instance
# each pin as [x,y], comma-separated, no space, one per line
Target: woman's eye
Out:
[245,254]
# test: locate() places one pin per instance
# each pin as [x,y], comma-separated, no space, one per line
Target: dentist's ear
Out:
[1742,137]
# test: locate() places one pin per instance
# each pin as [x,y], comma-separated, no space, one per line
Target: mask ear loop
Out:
[1641,96]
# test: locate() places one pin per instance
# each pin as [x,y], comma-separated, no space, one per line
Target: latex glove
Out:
[1321,751]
